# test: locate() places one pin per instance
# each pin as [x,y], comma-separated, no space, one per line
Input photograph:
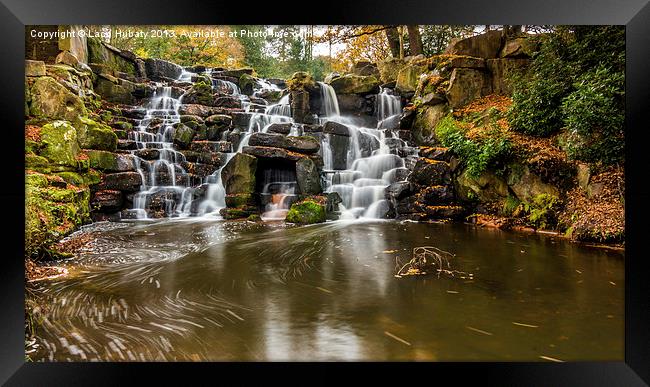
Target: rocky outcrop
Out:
[487,45]
[301,144]
[162,70]
[238,175]
[355,84]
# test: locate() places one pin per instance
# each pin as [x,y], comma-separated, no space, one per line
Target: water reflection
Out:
[211,290]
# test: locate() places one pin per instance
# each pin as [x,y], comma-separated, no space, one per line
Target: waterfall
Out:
[372,159]
[330,104]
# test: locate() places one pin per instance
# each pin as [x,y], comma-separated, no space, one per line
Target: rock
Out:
[437,194]
[302,144]
[399,190]
[501,71]
[280,128]
[486,188]
[435,153]
[200,93]
[161,70]
[389,69]
[466,62]
[212,158]
[408,78]
[486,45]
[307,211]
[94,135]
[429,172]
[332,127]
[239,200]
[241,120]
[365,68]
[444,212]
[238,175]
[425,122]
[134,112]
[115,90]
[110,162]
[228,102]
[199,169]
[67,58]
[183,135]
[467,85]
[148,154]
[526,185]
[198,110]
[34,68]
[355,84]
[301,81]
[126,144]
[339,146]
[522,47]
[211,146]
[299,103]
[110,57]
[390,123]
[51,100]
[583,175]
[247,84]
[121,181]
[59,144]
[308,177]
[237,73]
[107,201]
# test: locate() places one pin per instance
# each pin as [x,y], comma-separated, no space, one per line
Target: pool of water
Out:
[214,290]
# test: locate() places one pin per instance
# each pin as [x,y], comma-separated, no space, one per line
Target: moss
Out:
[123,125]
[36,180]
[60,146]
[102,160]
[71,178]
[301,80]
[247,83]
[237,200]
[37,163]
[307,211]
[94,135]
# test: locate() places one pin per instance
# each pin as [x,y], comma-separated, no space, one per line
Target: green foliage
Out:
[306,212]
[542,211]
[576,81]
[477,155]
[595,117]
[511,205]
[435,38]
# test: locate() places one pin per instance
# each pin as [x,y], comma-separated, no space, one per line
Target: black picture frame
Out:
[634,14]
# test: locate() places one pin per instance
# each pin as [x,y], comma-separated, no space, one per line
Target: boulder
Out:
[425,122]
[280,128]
[121,181]
[183,135]
[467,85]
[148,154]
[51,100]
[487,45]
[430,172]
[389,69]
[107,201]
[308,177]
[34,68]
[301,80]
[365,68]
[456,61]
[486,188]
[126,145]
[526,185]
[355,84]
[238,175]
[200,93]
[332,127]
[522,47]
[198,110]
[501,70]
[302,144]
[241,120]
[59,144]
[230,102]
[110,162]
[161,70]
[115,90]
[308,211]
[94,135]
[408,77]
[110,57]
[237,73]
[211,146]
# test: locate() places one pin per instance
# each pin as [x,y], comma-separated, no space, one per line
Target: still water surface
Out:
[204,290]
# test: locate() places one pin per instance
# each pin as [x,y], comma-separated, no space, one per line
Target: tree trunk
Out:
[415,40]
[393,41]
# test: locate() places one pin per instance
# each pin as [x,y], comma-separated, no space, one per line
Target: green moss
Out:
[307,211]
[237,200]
[37,163]
[60,146]
[71,178]
[102,160]
[203,92]
[301,80]
[94,135]
[36,180]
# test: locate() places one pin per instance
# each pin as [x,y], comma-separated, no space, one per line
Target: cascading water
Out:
[372,158]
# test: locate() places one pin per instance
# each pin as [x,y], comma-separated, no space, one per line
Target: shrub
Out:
[595,117]
[542,211]
[477,155]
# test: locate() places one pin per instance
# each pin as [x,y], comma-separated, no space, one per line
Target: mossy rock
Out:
[201,93]
[60,145]
[355,84]
[94,135]
[36,180]
[247,84]
[37,163]
[51,100]
[238,175]
[183,135]
[100,54]
[409,76]
[307,211]
[300,81]
[72,178]
[389,69]
[238,200]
